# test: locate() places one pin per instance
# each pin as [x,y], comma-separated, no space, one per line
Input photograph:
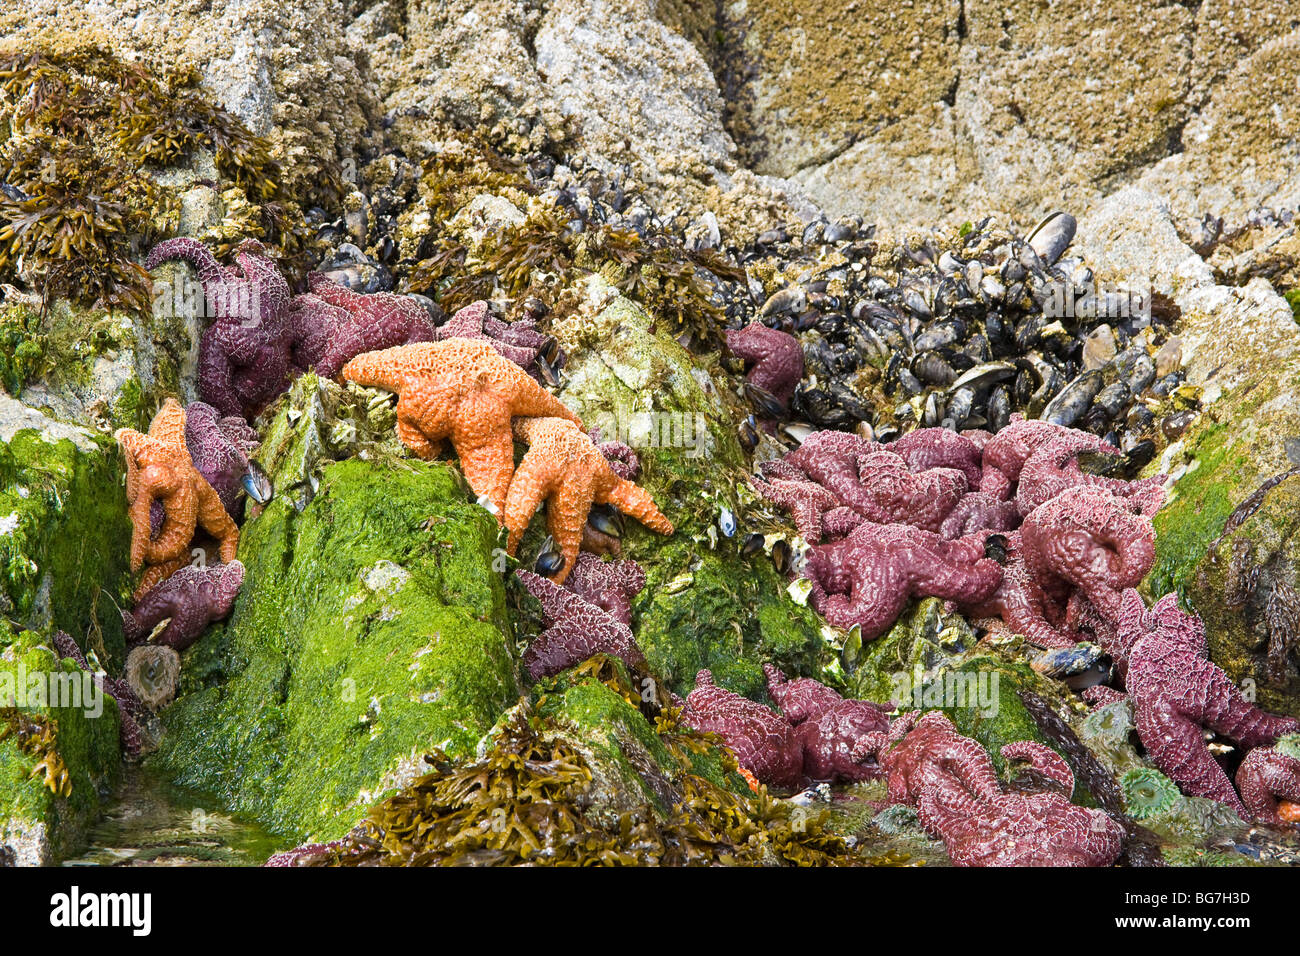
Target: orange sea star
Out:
[463,390]
[565,468]
[159,468]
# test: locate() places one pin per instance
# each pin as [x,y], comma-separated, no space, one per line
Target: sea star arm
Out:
[635,502]
[534,481]
[214,519]
[488,464]
[1043,759]
[413,438]
[1176,745]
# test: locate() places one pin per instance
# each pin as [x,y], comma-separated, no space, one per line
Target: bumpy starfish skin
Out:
[379,320]
[1024,605]
[764,742]
[1090,539]
[977,511]
[800,699]
[610,585]
[520,341]
[1055,467]
[777,358]
[159,468]
[622,458]
[244,355]
[927,448]
[951,781]
[566,470]
[867,578]
[806,501]
[1177,694]
[192,598]
[131,712]
[576,629]
[1266,777]
[876,483]
[1005,454]
[461,390]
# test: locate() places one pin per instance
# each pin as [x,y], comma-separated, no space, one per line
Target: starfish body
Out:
[159,468]
[564,468]
[518,341]
[1055,467]
[576,629]
[927,448]
[1005,454]
[464,391]
[610,585]
[777,358]
[951,781]
[977,511]
[378,320]
[244,355]
[1177,695]
[867,578]
[1269,781]
[764,742]
[192,598]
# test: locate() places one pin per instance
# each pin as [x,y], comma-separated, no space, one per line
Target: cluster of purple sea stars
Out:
[261,335]
[917,518]
[951,781]
[1177,694]
[812,739]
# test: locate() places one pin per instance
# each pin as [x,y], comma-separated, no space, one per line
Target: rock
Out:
[64,537]
[704,605]
[376,633]
[1241,346]
[805,83]
[39,826]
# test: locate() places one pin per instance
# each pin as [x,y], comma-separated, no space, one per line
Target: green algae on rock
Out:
[704,605]
[575,774]
[64,537]
[377,631]
[50,793]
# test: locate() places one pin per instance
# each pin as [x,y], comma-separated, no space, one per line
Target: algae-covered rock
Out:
[64,536]
[930,660]
[375,632]
[59,750]
[703,605]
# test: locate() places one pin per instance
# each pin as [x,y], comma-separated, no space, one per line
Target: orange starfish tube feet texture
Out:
[159,468]
[564,468]
[463,390]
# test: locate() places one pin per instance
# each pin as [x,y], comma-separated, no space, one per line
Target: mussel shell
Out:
[549,562]
[767,404]
[996,546]
[752,544]
[1051,237]
[782,556]
[1073,400]
[607,520]
[258,484]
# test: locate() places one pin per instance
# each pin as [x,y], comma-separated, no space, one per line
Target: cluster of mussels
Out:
[963,332]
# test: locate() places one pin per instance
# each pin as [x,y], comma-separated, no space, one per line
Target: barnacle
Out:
[36,736]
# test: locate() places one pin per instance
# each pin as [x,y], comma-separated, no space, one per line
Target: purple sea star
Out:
[518,341]
[927,448]
[777,359]
[576,629]
[192,598]
[829,727]
[764,742]
[1005,454]
[610,585]
[1177,694]
[244,355]
[952,783]
[867,578]
[219,448]
[376,321]
[1055,467]
[1269,779]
